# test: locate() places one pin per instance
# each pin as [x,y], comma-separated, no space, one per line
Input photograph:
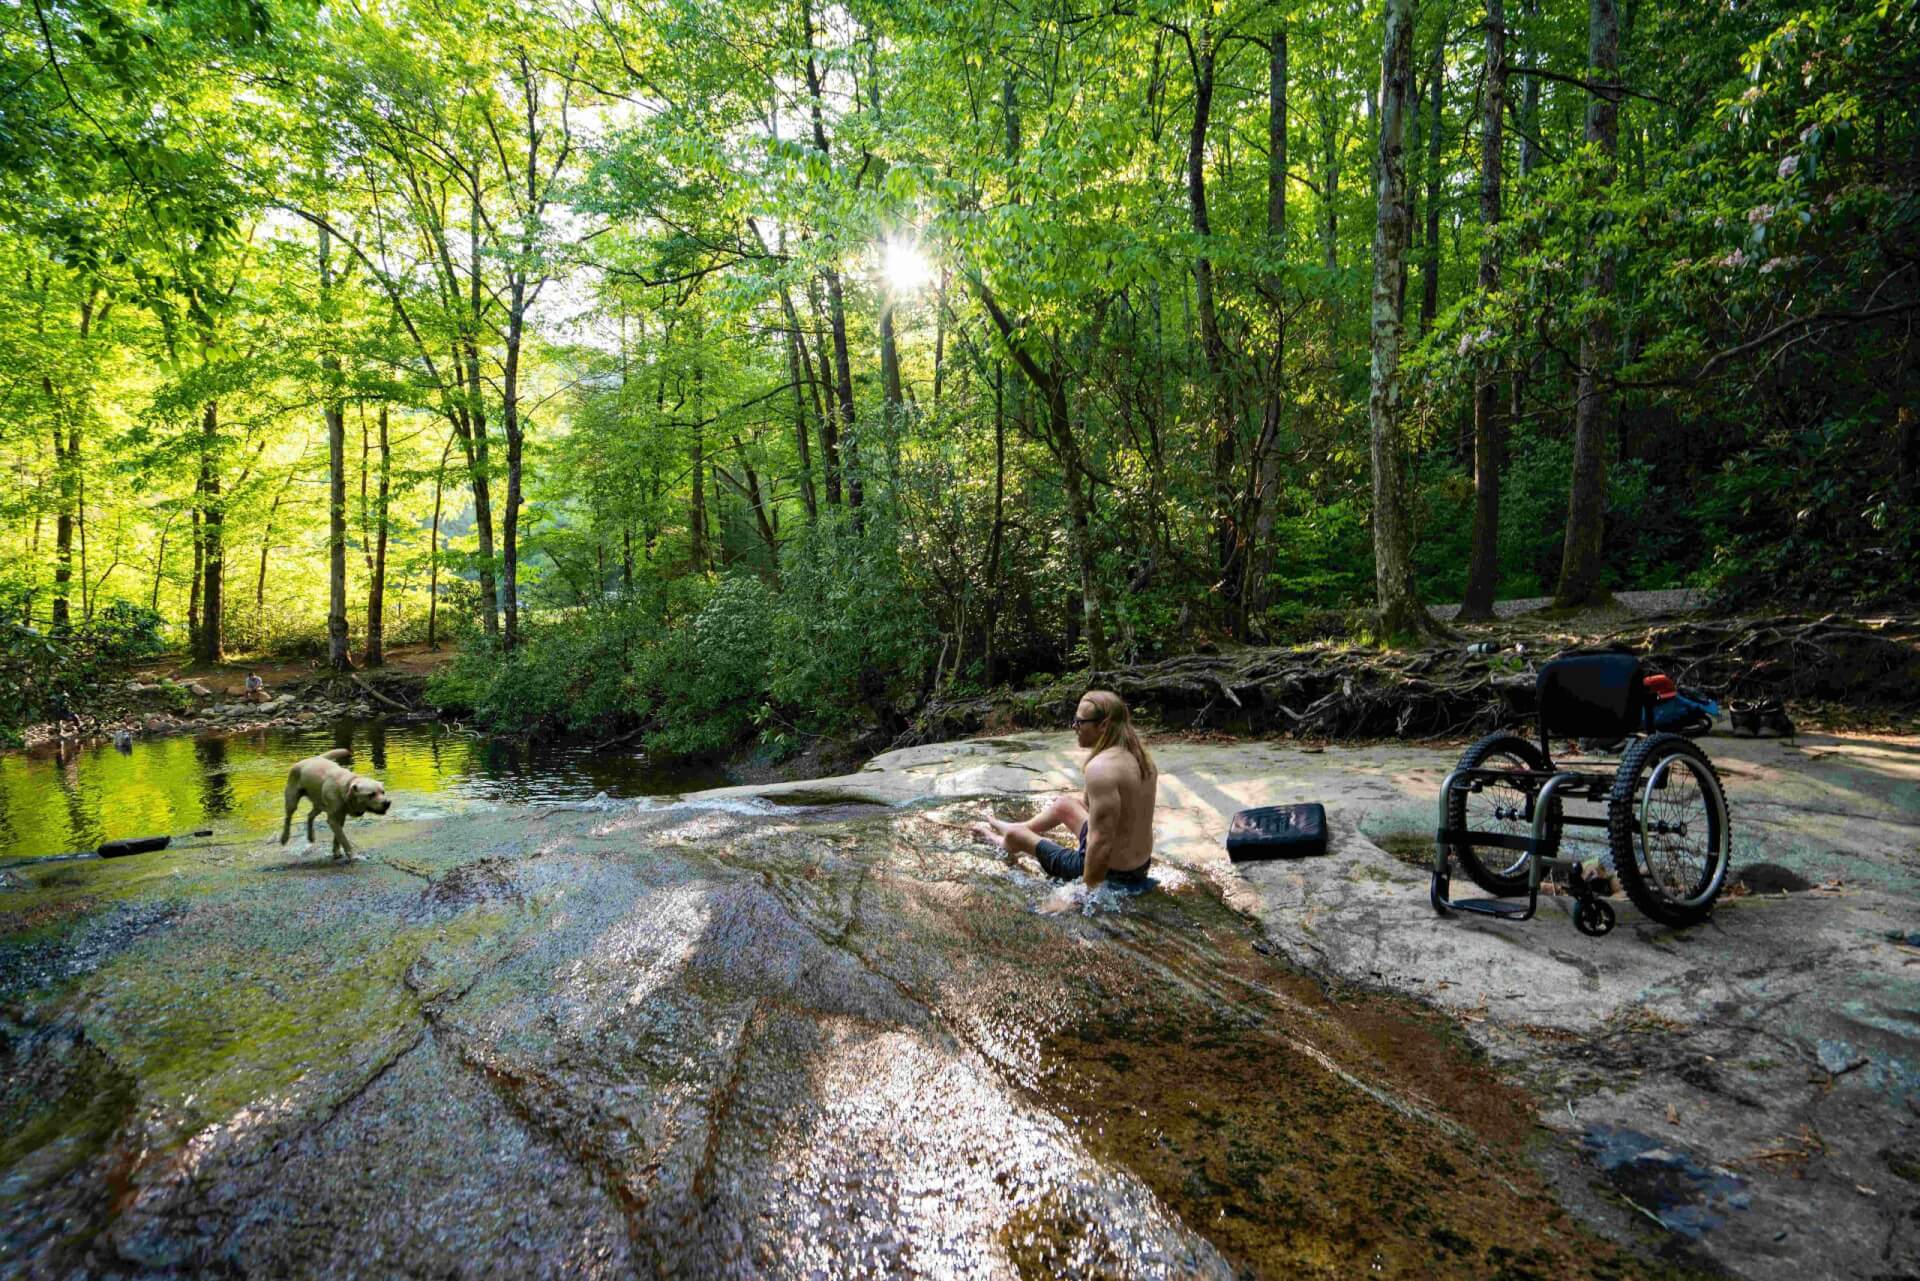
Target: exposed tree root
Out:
[1338,691]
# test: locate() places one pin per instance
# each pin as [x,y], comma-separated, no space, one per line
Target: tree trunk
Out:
[1430,268]
[1583,558]
[843,390]
[433,549]
[377,575]
[893,410]
[1330,188]
[1226,532]
[836,297]
[829,413]
[510,419]
[796,369]
[335,413]
[697,514]
[193,579]
[939,338]
[1530,105]
[266,545]
[63,468]
[475,441]
[996,535]
[159,557]
[1489,426]
[1266,454]
[210,647]
[1080,532]
[1400,610]
[1064,441]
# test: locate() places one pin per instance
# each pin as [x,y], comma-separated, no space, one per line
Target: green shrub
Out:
[849,640]
[123,631]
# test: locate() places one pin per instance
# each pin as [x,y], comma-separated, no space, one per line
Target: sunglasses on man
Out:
[1077,721]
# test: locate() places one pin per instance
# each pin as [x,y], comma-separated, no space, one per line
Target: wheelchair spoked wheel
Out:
[1667,824]
[1503,806]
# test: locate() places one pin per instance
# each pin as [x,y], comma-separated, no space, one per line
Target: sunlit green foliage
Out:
[618,276]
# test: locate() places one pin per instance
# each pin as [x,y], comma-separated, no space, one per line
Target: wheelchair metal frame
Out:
[1581,694]
[1561,784]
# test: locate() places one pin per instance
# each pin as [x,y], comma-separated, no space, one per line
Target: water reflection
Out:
[78,797]
[216,789]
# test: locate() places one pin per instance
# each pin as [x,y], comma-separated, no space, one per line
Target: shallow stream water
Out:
[714,1040]
[53,803]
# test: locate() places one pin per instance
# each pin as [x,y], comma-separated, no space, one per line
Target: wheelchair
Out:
[1504,807]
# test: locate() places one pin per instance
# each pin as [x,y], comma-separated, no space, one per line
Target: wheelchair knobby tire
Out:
[1499,871]
[1658,868]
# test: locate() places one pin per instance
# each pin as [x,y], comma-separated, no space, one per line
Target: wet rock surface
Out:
[1770,1057]
[720,1039]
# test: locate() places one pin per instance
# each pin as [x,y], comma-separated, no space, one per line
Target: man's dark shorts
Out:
[1063,864]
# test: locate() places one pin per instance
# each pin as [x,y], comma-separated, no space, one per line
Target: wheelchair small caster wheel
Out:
[1593,918]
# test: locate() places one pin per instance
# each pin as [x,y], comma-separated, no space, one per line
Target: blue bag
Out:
[1688,712]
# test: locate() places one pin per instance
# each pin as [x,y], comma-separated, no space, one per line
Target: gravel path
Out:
[1639,604]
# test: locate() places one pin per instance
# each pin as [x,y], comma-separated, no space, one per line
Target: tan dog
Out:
[328,785]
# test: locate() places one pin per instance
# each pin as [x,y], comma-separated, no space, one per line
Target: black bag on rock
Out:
[1277,831]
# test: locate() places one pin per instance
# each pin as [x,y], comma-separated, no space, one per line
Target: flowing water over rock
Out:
[716,1041]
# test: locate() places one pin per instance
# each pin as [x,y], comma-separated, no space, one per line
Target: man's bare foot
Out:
[989,833]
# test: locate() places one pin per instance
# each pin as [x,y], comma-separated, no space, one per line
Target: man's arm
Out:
[1104,812]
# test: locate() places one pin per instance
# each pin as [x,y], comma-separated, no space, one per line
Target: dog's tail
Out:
[339,756]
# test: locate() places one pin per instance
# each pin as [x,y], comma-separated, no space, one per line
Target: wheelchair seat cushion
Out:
[1600,695]
[1277,831]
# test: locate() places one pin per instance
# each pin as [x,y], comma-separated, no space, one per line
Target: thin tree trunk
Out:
[796,369]
[697,515]
[61,621]
[211,648]
[1583,559]
[1226,532]
[159,558]
[1489,426]
[510,419]
[433,549]
[836,297]
[1400,610]
[829,413]
[1530,105]
[80,522]
[478,468]
[1267,453]
[335,412]
[377,570]
[71,485]
[1330,188]
[193,579]
[1430,267]
[996,535]
[266,545]
[939,338]
[1064,440]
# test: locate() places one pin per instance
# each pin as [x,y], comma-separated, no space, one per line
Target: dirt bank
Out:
[170,697]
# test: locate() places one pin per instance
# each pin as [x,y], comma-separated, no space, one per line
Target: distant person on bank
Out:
[1113,821]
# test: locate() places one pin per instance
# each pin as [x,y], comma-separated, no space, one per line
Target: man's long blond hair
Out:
[1116,730]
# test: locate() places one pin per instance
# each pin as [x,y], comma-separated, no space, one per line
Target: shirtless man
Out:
[1114,821]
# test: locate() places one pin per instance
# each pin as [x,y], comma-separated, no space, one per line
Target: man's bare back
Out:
[1120,803]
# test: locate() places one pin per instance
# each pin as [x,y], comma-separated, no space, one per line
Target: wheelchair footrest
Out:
[1504,908]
